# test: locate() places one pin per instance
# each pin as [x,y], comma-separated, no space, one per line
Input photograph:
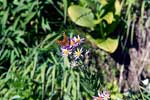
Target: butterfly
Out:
[63,42]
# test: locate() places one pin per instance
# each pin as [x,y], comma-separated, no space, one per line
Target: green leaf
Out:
[65,2]
[4,18]
[117,7]
[81,16]
[12,57]
[109,17]
[29,17]
[103,2]
[16,22]
[109,44]
[15,97]
[45,24]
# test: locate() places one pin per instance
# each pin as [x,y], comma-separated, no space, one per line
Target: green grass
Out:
[31,65]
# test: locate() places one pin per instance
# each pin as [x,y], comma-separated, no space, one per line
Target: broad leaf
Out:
[108,45]
[81,16]
[109,17]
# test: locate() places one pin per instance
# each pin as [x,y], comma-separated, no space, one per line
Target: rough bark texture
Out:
[140,58]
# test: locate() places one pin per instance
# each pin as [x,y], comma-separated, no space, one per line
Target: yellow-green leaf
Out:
[117,7]
[81,16]
[109,17]
[103,2]
[108,45]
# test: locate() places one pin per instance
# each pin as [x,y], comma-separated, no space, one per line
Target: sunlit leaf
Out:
[108,45]
[103,2]
[15,97]
[117,7]
[109,17]
[81,16]
[45,24]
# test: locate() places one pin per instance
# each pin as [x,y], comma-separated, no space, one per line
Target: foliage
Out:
[31,67]
[107,15]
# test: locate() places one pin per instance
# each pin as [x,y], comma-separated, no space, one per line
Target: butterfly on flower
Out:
[70,46]
[63,42]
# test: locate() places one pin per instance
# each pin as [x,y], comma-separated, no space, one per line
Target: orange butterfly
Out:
[63,42]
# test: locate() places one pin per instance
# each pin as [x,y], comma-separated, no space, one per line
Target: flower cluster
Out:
[102,96]
[72,47]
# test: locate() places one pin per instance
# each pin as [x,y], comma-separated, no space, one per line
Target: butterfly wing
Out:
[63,42]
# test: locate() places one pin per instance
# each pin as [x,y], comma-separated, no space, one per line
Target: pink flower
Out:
[72,43]
[66,52]
[78,53]
[78,40]
[102,96]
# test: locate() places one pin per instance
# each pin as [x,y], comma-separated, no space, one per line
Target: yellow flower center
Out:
[78,40]
[66,52]
[78,53]
[72,43]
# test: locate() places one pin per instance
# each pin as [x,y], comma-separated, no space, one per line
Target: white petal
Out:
[145,82]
